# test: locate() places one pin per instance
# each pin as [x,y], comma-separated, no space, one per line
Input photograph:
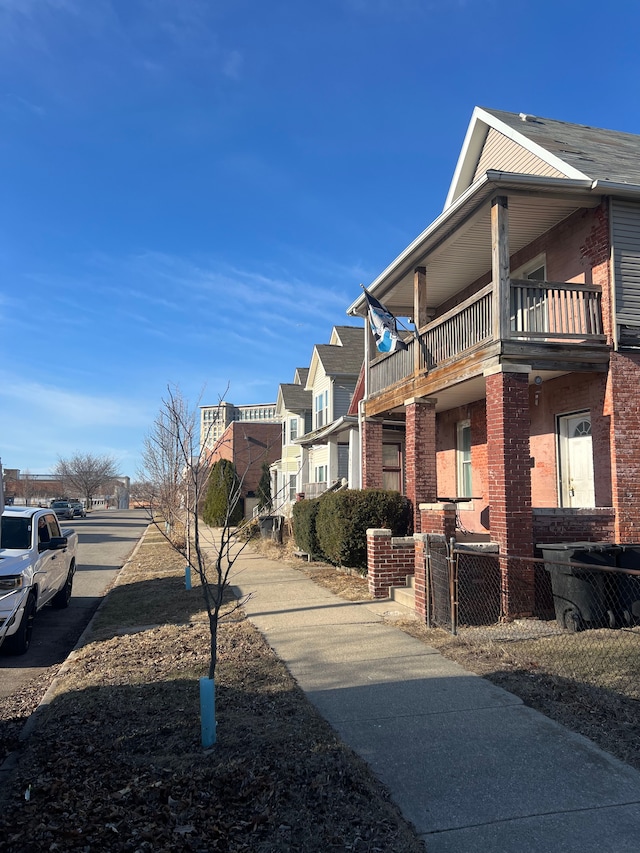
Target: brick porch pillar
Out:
[509,484]
[420,455]
[623,405]
[372,454]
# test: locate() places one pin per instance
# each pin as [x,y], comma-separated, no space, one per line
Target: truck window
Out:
[16,533]
[53,525]
[43,531]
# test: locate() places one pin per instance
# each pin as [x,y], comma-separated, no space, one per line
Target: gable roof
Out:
[548,168]
[294,397]
[548,147]
[342,357]
[300,376]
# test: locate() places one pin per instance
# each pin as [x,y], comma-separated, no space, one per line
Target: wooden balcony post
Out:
[500,268]
[420,319]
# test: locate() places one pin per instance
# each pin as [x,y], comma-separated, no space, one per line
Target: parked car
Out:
[37,565]
[78,509]
[62,509]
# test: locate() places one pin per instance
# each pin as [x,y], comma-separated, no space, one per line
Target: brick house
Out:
[249,445]
[517,397]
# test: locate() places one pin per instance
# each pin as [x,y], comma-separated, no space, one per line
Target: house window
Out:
[292,487]
[293,428]
[535,270]
[321,474]
[392,467]
[322,409]
[463,459]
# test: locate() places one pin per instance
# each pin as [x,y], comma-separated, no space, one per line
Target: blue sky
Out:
[193,190]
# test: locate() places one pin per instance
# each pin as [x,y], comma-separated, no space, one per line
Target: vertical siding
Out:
[501,153]
[342,394]
[625,218]
[343,461]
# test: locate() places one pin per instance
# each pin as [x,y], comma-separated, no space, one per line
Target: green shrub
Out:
[344,517]
[223,505]
[304,526]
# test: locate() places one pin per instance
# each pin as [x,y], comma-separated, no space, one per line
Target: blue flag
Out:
[383,325]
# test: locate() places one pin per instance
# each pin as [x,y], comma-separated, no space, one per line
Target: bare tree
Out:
[177,475]
[26,487]
[86,473]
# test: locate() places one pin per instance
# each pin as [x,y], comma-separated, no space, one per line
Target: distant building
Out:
[215,419]
[249,445]
[25,488]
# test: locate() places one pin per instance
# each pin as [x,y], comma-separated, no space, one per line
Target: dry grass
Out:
[116,763]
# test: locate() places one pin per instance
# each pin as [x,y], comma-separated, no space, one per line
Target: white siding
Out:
[503,154]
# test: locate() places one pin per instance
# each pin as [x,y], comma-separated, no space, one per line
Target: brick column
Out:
[623,404]
[438,518]
[420,574]
[372,454]
[509,485]
[420,455]
[389,561]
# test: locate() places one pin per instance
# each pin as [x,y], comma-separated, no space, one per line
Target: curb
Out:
[11,761]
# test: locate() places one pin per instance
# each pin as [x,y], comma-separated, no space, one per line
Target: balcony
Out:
[540,312]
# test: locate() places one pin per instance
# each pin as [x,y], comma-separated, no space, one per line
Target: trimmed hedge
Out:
[336,525]
[304,526]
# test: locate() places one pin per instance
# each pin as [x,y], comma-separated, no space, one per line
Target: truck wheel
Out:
[18,643]
[61,599]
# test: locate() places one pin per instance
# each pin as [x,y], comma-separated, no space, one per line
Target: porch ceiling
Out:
[467,392]
[456,248]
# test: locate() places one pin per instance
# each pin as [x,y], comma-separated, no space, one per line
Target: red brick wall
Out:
[574,525]
[473,516]
[623,403]
[439,520]
[420,456]
[509,472]
[372,455]
[566,394]
[248,446]
[576,250]
[509,479]
[389,561]
[420,575]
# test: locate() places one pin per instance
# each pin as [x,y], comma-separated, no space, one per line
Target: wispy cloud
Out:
[15,104]
[77,410]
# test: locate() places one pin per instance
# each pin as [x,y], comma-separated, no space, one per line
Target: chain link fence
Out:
[582,618]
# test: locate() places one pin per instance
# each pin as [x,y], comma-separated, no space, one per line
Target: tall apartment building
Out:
[215,419]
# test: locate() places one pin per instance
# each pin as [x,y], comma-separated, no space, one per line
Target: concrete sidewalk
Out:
[467,763]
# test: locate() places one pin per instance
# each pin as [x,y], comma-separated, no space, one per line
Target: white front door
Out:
[576,461]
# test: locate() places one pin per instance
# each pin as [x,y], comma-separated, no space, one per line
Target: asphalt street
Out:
[105,540]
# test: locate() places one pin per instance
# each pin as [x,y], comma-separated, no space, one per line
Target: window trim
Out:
[525,270]
[462,464]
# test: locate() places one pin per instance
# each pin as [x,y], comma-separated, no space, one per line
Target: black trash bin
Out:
[267,525]
[628,586]
[582,598]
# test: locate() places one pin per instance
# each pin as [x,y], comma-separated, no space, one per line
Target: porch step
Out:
[404,595]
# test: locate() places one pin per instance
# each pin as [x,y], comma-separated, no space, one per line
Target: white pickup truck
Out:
[37,565]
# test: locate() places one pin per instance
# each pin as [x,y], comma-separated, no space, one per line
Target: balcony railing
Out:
[314,490]
[540,311]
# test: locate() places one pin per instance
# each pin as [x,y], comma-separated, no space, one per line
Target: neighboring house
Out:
[293,408]
[249,445]
[331,450]
[518,395]
[214,420]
